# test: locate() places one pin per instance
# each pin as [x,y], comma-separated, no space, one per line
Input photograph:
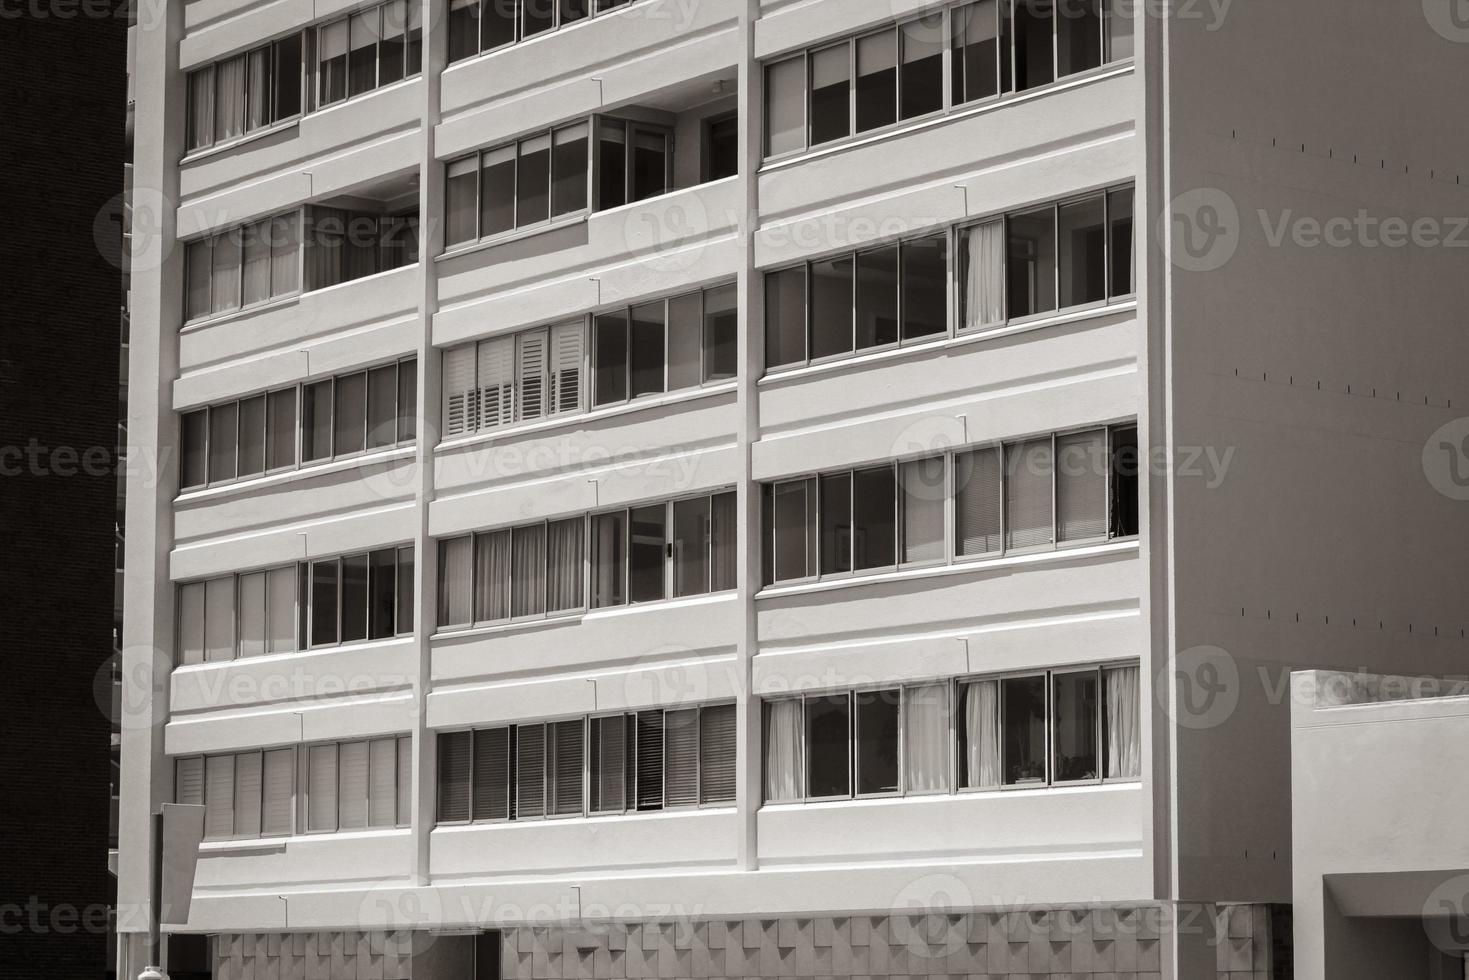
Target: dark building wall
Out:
[62,147]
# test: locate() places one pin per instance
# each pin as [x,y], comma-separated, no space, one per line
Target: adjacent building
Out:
[774,487]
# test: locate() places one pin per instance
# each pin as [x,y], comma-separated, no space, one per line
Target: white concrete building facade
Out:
[771,487]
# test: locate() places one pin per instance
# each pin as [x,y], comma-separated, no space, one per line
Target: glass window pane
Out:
[530,771]
[280,634]
[331,61]
[611,164]
[574,10]
[287,77]
[252,436]
[349,424]
[836,523]
[1078,35]
[408,400]
[229,98]
[256,240]
[497,191]
[926,738]
[647,352]
[691,547]
[252,614]
[722,559]
[874,516]
[828,747]
[406,590]
[454,754]
[1075,725]
[533,181]
[537,16]
[877,297]
[500,23]
[922,499]
[649,164]
[785,106]
[721,333]
[528,570]
[198,261]
[454,582]
[877,80]
[1034,56]
[609,559]
[831,81]
[785,317]
[609,358]
[1083,239]
[685,326]
[464,28]
[1121,281]
[722,143]
[1082,465]
[922,84]
[1119,16]
[352,784]
[565,543]
[460,201]
[982,275]
[831,306]
[648,755]
[382,406]
[392,51]
[877,741]
[222,442]
[285,254]
[257,95]
[1029,476]
[321,788]
[1126,468]
[362,70]
[324,595]
[224,279]
[1030,264]
[354,598]
[492,576]
[794,536]
[976,51]
[1023,721]
[925,287]
[195,439]
[201,108]
[978,490]
[647,541]
[316,421]
[569,170]
[492,774]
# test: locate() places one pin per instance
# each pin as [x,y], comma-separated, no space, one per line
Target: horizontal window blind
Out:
[530,771]
[681,757]
[321,788]
[188,780]
[977,501]
[248,773]
[454,770]
[277,808]
[382,787]
[492,774]
[567,768]
[650,760]
[352,784]
[609,753]
[1081,485]
[219,796]
[717,754]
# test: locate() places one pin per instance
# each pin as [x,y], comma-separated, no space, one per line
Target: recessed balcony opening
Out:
[678,138]
[370,230]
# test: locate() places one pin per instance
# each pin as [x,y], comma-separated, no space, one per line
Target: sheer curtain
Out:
[454,588]
[785,757]
[982,734]
[285,254]
[926,738]
[257,105]
[984,275]
[201,108]
[491,576]
[229,113]
[528,570]
[1124,741]
[324,247]
[565,558]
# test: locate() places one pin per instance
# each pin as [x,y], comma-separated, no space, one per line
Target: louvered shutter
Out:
[977,489]
[1081,485]
[530,771]
[405,780]
[382,782]
[219,796]
[497,381]
[188,780]
[277,807]
[460,404]
[531,373]
[492,774]
[352,785]
[650,760]
[609,785]
[567,788]
[321,788]
[247,794]
[566,362]
[1029,477]
[681,757]
[454,749]
[717,754]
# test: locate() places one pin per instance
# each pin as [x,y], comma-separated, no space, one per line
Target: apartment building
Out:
[772,487]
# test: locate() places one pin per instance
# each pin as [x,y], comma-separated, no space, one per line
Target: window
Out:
[367,50]
[519,185]
[359,785]
[785,105]
[477,26]
[831,84]
[975,59]
[634,160]
[654,552]
[242,267]
[667,345]
[234,616]
[244,794]
[1023,730]
[342,246]
[1074,254]
[356,597]
[257,435]
[245,93]
[1059,490]
[721,147]
[527,571]
[877,298]
[647,760]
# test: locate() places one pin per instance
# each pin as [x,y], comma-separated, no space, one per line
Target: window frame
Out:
[317,102]
[306,613]
[590,346]
[296,794]
[1098,728]
[211,238]
[517,229]
[270,48]
[303,769]
[594,9]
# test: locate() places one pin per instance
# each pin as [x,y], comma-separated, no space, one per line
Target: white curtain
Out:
[285,252]
[454,590]
[528,570]
[785,756]
[564,551]
[257,105]
[229,105]
[982,734]
[257,262]
[492,576]
[926,738]
[201,108]
[984,279]
[1124,741]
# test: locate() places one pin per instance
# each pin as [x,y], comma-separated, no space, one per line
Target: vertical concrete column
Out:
[751,356]
[152,477]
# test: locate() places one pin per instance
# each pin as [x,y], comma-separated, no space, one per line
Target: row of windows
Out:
[670,549]
[476,26]
[991,47]
[342,416]
[362,596]
[621,763]
[1066,255]
[348,786]
[252,264]
[667,345]
[1044,728]
[312,69]
[1057,490]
